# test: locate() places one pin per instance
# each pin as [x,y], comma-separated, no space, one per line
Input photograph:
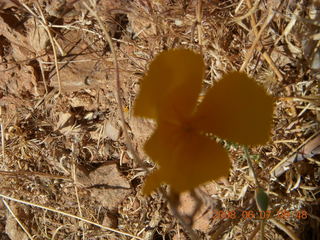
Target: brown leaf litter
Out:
[44,136]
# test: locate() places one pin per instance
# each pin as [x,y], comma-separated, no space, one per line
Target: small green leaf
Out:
[262,199]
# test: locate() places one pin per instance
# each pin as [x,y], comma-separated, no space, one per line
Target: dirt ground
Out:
[66,170]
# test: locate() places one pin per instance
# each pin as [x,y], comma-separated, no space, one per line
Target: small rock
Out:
[13,230]
[110,220]
[106,185]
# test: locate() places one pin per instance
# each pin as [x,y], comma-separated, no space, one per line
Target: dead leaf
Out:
[311,149]
[37,36]
[63,119]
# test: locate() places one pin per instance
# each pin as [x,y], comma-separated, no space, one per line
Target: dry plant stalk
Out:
[265,55]
[117,76]
[69,215]
[44,23]
[284,228]
[17,219]
[270,16]
[32,174]
[2,135]
[199,19]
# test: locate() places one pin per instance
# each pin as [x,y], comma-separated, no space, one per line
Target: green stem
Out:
[250,166]
[262,225]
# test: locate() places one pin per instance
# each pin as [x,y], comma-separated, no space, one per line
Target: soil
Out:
[63,144]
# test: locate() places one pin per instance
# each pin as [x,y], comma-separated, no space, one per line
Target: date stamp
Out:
[260,215]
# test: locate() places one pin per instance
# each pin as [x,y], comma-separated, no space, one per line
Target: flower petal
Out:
[152,182]
[171,87]
[160,147]
[186,159]
[236,108]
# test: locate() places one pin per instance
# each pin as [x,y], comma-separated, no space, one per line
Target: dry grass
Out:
[60,92]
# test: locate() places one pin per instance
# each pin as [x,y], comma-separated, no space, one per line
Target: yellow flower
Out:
[235,108]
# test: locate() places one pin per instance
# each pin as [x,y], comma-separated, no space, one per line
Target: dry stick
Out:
[263,222]
[257,39]
[42,100]
[21,61]
[69,215]
[17,219]
[32,174]
[252,9]
[2,135]
[56,231]
[116,66]
[265,55]
[284,228]
[43,76]
[309,99]
[199,19]
[74,176]
[45,25]
[293,152]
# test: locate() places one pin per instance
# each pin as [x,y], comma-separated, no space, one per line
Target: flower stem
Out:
[246,151]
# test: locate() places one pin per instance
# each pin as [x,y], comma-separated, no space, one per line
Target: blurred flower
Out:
[235,109]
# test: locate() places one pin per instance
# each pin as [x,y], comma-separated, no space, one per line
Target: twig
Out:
[293,152]
[199,20]
[265,55]
[69,215]
[257,39]
[308,99]
[32,174]
[43,76]
[284,228]
[45,25]
[120,106]
[17,219]
[74,176]
[2,136]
